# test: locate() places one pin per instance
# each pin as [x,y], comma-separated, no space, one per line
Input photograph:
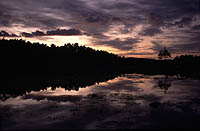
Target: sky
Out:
[131,28]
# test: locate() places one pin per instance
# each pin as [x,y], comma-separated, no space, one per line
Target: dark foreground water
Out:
[127,102]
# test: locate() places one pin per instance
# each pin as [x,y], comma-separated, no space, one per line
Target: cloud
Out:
[39,14]
[97,17]
[196,27]
[64,32]
[6,34]
[178,48]
[186,48]
[126,44]
[155,20]
[38,33]
[150,31]
[184,21]
[51,14]
[59,32]
[25,34]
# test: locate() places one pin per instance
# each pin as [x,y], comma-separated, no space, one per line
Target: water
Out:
[129,101]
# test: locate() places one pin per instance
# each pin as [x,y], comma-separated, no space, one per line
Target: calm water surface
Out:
[130,101]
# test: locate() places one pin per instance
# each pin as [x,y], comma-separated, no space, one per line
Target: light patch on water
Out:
[134,84]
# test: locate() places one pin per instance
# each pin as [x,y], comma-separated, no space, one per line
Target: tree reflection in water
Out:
[11,88]
[164,84]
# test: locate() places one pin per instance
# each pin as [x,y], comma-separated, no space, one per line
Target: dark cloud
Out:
[126,44]
[150,31]
[179,48]
[45,14]
[116,19]
[38,33]
[42,13]
[100,36]
[196,27]
[6,34]
[172,9]
[25,34]
[96,17]
[155,19]
[59,32]
[186,48]
[64,32]
[195,38]
[184,21]
[101,13]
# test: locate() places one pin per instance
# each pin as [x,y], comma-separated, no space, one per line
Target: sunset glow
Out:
[130,28]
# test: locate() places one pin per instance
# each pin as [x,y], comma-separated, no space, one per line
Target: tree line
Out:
[24,57]
[20,56]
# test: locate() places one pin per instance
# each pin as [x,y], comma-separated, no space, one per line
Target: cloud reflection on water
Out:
[122,100]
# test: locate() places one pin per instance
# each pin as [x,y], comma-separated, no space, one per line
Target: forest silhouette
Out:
[24,57]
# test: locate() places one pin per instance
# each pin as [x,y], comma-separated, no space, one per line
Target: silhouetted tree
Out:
[164,54]
[53,45]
